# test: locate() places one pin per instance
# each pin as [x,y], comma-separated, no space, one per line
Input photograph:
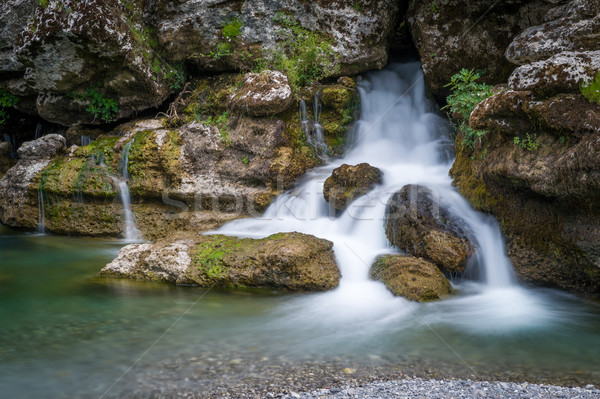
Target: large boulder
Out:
[412,278]
[569,27]
[419,223]
[78,56]
[193,31]
[454,34]
[14,16]
[285,261]
[348,182]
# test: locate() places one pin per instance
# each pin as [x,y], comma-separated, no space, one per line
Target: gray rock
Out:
[267,93]
[574,26]
[561,73]
[45,147]
[190,30]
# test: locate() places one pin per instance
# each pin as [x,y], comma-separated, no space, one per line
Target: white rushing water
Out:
[399,133]
[131,231]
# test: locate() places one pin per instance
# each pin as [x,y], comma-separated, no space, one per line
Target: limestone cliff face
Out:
[545,190]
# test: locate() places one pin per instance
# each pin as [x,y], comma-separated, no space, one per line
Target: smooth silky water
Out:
[66,333]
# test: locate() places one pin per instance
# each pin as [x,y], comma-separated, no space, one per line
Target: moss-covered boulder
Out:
[285,261]
[419,223]
[412,278]
[349,182]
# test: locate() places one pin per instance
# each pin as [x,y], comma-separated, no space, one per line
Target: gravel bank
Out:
[446,389]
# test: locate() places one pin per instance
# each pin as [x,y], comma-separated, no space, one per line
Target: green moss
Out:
[208,257]
[591,89]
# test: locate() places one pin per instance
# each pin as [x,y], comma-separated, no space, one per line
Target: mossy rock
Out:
[412,278]
[289,261]
[283,261]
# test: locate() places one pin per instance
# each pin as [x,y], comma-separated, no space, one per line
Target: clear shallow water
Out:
[65,333]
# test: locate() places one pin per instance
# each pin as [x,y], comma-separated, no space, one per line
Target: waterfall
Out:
[85,140]
[38,131]
[400,133]
[41,227]
[313,131]
[131,231]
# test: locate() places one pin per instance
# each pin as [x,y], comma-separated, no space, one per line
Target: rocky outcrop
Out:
[569,27]
[80,55]
[194,31]
[285,261]
[412,278]
[349,182]
[538,171]
[45,147]
[14,15]
[455,34]
[419,223]
[262,94]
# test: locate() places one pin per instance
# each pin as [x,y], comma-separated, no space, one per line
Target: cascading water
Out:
[399,133]
[313,131]
[41,227]
[131,231]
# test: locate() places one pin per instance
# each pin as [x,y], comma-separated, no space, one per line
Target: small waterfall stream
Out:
[313,130]
[399,133]
[132,233]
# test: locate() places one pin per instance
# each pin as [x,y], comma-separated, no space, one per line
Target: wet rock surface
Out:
[419,223]
[409,277]
[285,261]
[456,34]
[535,172]
[349,182]
[43,148]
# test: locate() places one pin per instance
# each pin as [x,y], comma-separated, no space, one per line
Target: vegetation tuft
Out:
[591,89]
[7,100]
[466,94]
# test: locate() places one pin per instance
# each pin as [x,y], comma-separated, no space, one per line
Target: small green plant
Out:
[466,94]
[433,8]
[304,56]
[528,143]
[98,105]
[562,140]
[230,34]
[7,100]
[221,122]
[43,3]
[245,160]
[591,89]
[356,5]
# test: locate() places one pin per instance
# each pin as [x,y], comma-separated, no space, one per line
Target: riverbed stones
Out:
[285,261]
[412,278]
[419,222]
[348,182]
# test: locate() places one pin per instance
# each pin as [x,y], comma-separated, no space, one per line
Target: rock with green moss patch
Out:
[349,182]
[412,278]
[285,261]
